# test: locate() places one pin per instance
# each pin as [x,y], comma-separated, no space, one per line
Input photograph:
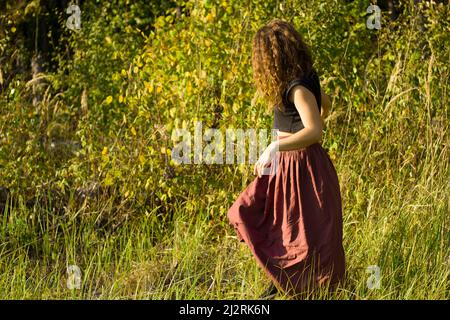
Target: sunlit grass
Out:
[202,259]
[387,135]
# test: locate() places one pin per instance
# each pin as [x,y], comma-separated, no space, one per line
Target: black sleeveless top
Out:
[289,120]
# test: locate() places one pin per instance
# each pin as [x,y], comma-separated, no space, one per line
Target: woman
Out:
[291,219]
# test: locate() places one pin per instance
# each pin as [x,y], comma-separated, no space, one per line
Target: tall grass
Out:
[403,230]
[387,135]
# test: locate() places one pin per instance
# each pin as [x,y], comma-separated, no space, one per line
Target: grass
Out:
[200,258]
[396,216]
[389,144]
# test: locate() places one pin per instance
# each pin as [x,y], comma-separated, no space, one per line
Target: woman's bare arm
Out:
[306,104]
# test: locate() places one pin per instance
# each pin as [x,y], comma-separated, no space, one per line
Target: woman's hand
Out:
[265,159]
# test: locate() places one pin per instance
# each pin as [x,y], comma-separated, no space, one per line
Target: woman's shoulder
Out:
[310,81]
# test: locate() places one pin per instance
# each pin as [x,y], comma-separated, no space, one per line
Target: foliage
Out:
[89,167]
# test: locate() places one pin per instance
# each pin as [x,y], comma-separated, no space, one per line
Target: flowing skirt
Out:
[291,221]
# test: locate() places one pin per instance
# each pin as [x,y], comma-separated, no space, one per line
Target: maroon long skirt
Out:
[292,221]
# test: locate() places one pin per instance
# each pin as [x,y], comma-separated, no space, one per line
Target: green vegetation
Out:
[86,176]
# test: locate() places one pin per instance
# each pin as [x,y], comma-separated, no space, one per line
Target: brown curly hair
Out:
[279,55]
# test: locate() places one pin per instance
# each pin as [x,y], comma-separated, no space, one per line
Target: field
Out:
[86,177]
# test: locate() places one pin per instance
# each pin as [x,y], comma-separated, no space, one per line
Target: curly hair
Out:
[279,55]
